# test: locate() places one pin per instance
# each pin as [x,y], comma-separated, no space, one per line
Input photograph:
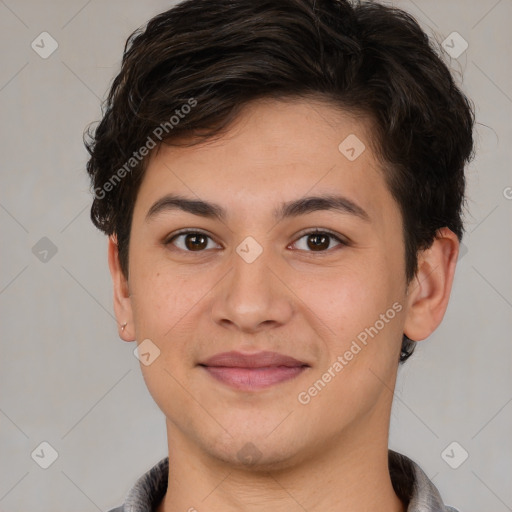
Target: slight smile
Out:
[252,372]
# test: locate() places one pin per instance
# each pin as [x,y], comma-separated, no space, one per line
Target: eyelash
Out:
[315,231]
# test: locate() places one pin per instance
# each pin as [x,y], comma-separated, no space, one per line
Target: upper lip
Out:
[257,360]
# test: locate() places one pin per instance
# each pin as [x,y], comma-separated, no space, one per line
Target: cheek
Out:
[160,302]
[363,311]
[163,313]
[348,299]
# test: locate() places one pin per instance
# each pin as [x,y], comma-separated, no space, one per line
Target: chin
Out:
[259,455]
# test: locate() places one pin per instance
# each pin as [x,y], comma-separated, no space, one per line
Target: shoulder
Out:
[414,487]
[148,490]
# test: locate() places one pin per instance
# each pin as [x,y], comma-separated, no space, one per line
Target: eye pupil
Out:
[321,241]
[193,244]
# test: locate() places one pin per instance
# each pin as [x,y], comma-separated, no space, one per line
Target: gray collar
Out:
[413,486]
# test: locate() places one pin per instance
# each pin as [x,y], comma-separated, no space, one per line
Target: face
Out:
[258,278]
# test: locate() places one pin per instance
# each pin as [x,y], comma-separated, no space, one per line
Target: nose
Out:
[252,297]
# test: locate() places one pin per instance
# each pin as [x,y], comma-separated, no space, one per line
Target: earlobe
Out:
[429,291]
[122,300]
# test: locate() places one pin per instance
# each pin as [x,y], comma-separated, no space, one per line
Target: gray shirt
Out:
[411,485]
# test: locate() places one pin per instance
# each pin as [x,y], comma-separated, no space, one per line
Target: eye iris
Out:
[191,241]
[321,241]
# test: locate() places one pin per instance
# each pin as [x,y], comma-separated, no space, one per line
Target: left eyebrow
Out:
[294,208]
[316,203]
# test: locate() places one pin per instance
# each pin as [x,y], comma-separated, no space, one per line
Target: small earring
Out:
[123,326]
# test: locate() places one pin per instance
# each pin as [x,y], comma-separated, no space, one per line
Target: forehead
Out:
[275,151]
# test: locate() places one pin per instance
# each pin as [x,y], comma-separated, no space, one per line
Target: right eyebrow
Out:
[196,207]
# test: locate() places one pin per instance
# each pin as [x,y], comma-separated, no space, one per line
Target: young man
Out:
[282,185]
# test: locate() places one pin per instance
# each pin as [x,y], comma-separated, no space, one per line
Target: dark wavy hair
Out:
[365,58]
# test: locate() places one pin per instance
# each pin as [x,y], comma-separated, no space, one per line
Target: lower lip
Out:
[250,379]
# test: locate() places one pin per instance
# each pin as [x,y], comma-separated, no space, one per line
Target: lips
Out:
[257,360]
[251,372]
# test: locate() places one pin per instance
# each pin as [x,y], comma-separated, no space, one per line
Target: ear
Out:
[428,293]
[122,300]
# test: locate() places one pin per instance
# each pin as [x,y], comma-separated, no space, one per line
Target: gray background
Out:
[66,378]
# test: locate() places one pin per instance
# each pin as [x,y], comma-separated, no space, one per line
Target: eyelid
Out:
[188,230]
[314,231]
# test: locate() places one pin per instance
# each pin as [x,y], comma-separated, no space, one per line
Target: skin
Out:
[330,454]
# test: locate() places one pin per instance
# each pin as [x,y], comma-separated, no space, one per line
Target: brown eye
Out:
[195,241]
[318,241]
[190,241]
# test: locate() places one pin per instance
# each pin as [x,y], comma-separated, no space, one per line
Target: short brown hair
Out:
[362,57]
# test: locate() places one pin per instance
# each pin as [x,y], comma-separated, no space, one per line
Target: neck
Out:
[350,473]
